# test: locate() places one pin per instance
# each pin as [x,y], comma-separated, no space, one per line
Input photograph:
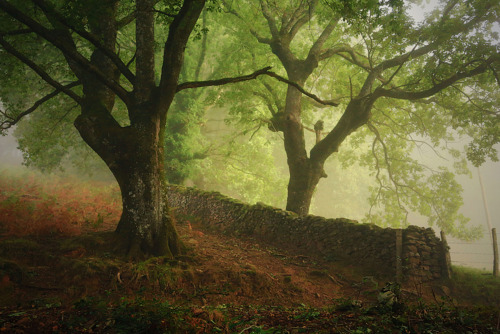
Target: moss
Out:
[92,242]
[16,245]
[24,250]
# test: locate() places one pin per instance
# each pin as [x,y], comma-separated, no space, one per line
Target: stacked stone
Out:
[365,245]
[422,253]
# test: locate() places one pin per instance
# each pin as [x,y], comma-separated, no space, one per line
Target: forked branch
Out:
[38,70]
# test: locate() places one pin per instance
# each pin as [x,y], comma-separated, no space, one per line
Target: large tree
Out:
[78,48]
[389,77]
[200,148]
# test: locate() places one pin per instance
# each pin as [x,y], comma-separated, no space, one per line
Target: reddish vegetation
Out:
[31,204]
[55,276]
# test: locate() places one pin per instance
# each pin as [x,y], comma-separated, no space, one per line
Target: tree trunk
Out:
[304,178]
[145,226]
[304,173]
[135,157]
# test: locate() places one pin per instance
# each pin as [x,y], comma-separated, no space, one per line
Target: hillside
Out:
[67,279]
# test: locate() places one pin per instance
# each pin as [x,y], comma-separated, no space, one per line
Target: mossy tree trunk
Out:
[135,153]
[135,157]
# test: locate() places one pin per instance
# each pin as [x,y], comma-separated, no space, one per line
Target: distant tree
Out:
[395,83]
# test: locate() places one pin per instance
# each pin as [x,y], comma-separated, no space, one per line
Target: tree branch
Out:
[302,90]
[7,124]
[254,75]
[179,31]
[271,22]
[224,81]
[89,37]
[405,95]
[259,38]
[315,50]
[396,184]
[68,51]
[38,70]
[16,32]
[300,17]
[126,20]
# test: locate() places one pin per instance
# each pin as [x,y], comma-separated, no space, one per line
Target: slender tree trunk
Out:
[304,173]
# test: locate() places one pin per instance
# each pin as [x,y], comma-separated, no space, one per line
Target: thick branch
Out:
[67,50]
[38,70]
[16,32]
[301,16]
[399,60]
[126,20]
[173,55]
[318,44]
[7,124]
[271,22]
[356,114]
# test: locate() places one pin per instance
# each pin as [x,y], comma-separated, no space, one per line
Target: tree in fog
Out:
[394,84]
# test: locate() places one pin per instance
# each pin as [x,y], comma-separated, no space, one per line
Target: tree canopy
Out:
[396,85]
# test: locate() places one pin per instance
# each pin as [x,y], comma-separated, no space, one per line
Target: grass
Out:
[476,285]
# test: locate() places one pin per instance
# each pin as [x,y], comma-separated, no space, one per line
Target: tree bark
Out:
[304,178]
[135,157]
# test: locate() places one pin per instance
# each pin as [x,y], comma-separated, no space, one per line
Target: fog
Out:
[478,254]
[10,156]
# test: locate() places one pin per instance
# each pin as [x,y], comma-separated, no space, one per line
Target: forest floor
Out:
[68,280]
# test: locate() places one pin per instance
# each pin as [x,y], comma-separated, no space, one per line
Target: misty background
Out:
[477,254]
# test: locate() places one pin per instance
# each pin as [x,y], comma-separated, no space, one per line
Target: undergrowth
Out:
[139,315]
[32,204]
[476,285]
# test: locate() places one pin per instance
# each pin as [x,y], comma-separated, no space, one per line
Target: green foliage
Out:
[401,184]
[244,169]
[361,9]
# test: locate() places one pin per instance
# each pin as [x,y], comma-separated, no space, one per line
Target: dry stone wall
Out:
[343,240]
